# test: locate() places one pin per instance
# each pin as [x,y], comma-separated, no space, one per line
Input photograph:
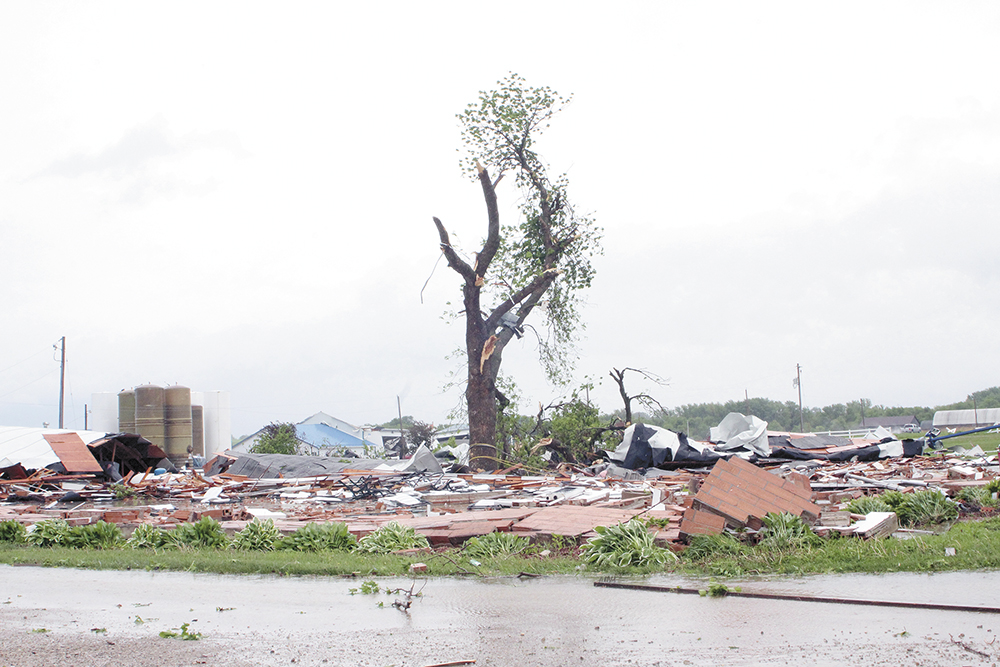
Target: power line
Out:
[54,370]
[4,370]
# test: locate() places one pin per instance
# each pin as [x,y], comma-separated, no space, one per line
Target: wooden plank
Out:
[72,452]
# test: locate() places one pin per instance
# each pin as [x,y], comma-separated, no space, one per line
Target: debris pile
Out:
[680,486]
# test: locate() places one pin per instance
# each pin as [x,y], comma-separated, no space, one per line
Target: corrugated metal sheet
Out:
[983,417]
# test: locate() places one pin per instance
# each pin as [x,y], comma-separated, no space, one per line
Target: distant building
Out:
[325,435]
[891,424]
[966,419]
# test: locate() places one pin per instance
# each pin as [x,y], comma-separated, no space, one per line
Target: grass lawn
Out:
[986,440]
[976,545]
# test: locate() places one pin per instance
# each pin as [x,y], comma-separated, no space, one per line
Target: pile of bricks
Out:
[738,494]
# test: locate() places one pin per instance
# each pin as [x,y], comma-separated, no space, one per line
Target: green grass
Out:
[329,563]
[976,544]
[988,441]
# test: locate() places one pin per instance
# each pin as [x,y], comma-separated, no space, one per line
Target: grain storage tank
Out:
[177,423]
[218,428]
[149,415]
[198,430]
[102,412]
[126,411]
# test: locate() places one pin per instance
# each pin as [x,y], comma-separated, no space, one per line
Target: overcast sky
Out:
[238,196]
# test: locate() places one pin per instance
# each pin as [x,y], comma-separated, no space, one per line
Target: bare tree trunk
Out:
[482,423]
[483,347]
[619,378]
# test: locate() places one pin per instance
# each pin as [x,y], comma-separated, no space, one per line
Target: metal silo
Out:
[177,420]
[149,419]
[198,430]
[126,411]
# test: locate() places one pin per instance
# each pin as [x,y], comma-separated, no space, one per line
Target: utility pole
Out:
[62,377]
[863,413]
[746,395]
[797,382]
[402,433]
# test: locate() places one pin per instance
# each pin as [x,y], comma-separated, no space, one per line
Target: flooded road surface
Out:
[81,617]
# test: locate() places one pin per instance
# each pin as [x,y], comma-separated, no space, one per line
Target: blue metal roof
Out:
[322,435]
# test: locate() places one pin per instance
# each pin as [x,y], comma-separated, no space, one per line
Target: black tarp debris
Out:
[645,446]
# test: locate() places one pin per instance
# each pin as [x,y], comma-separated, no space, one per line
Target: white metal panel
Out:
[27,446]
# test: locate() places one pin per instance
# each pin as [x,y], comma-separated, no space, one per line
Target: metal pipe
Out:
[804,598]
[932,440]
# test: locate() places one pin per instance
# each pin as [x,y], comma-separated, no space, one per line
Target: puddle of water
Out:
[560,614]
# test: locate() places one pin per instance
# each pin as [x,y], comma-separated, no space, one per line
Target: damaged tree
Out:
[546,255]
[645,399]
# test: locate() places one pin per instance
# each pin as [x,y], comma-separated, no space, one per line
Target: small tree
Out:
[421,433]
[277,438]
[543,261]
[573,429]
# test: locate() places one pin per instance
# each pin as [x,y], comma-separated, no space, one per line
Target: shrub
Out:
[786,531]
[319,537]
[205,533]
[12,531]
[624,545]
[979,496]
[256,536]
[392,537]
[50,532]
[927,507]
[149,537]
[868,504]
[495,545]
[100,535]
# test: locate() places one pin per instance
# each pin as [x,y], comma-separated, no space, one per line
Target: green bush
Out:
[48,533]
[392,537]
[785,531]
[495,545]
[868,504]
[256,536]
[100,535]
[927,507]
[979,496]
[12,531]
[205,533]
[922,507]
[332,536]
[146,536]
[624,545]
